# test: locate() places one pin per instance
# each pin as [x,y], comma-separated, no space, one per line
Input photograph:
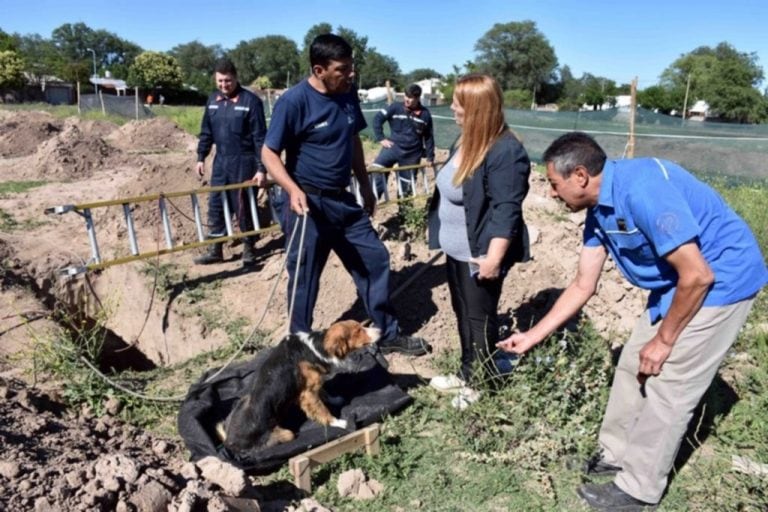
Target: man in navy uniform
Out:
[234,121]
[317,123]
[410,137]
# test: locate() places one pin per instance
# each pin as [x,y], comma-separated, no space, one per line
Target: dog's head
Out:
[346,336]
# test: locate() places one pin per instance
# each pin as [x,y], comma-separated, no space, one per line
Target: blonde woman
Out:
[476,218]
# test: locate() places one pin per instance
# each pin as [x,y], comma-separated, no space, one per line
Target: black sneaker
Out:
[610,497]
[409,345]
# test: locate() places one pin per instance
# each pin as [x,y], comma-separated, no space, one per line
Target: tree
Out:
[152,70]
[40,57]
[378,69]
[11,70]
[517,54]
[197,62]
[419,74]
[597,90]
[7,42]
[273,56]
[663,99]
[74,59]
[725,78]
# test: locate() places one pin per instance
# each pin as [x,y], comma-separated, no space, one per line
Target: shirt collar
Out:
[605,198]
[233,99]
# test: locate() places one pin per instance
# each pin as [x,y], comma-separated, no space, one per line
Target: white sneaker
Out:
[465,398]
[447,383]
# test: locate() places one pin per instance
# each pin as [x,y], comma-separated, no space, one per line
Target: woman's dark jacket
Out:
[493,202]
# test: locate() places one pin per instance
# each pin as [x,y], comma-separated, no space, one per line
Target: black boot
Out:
[249,255]
[215,254]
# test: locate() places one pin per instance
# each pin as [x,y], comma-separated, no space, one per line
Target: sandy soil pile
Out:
[22,132]
[156,134]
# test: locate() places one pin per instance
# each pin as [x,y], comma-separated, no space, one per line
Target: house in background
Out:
[699,111]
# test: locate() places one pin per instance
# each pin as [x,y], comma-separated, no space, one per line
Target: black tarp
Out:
[367,396]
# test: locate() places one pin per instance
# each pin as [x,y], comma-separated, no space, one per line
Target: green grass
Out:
[186,118]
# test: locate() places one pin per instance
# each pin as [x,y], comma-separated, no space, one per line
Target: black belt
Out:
[323,192]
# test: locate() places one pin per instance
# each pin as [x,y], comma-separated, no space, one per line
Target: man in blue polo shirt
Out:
[673,235]
[317,123]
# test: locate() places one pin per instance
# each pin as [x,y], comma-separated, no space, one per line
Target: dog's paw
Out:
[339,423]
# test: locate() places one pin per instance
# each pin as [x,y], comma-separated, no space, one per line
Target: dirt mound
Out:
[52,459]
[157,134]
[22,132]
[72,155]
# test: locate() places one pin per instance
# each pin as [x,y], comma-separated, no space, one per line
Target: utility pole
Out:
[94,67]
[685,101]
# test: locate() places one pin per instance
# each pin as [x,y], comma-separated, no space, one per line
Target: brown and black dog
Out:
[293,373]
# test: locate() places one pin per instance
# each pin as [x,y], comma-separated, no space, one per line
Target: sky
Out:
[618,41]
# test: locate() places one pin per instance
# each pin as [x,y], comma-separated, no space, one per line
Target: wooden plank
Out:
[301,465]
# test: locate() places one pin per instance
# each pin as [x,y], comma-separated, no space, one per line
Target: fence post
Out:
[632,113]
[136,96]
[78,99]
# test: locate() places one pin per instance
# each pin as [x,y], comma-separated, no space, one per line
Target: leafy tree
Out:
[518,98]
[419,74]
[378,69]
[152,70]
[597,90]
[40,56]
[11,70]
[73,44]
[275,57]
[7,42]
[517,54]
[723,77]
[197,62]
[658,97]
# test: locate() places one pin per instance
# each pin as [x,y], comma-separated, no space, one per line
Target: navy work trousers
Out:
[230,170]
[388,157]
[338,223]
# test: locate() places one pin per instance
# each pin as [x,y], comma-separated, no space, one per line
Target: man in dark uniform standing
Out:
[234,121]
[317,123]
[410,136]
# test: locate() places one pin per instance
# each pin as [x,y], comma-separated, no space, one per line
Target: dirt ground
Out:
[86,161]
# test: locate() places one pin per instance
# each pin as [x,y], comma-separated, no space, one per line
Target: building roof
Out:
[111,83]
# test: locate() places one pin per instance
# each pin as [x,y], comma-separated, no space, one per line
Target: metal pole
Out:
[227,213]
[198,219]
[94,69]
[166,223]
[92,236]
[131,229]
[254,211]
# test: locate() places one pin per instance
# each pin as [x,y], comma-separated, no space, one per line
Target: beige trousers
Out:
[642,432]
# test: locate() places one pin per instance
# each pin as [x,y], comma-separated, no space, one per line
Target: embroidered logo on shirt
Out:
[668,223]
[243,108]
[318,126]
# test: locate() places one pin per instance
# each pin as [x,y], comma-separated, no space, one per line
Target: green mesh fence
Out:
[124,106]
[702,147]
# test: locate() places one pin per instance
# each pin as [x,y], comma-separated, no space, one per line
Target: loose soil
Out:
[50,456]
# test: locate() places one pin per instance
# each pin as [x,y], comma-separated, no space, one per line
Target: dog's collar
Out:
[306,338]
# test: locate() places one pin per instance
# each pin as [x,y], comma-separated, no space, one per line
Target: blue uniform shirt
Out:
[649,207]
[316,131]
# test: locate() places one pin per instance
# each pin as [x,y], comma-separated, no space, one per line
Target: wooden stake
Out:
[632,114]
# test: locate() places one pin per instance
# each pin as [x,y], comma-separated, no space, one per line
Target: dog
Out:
[292,373]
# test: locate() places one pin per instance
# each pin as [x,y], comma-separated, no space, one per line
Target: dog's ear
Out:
[337,339]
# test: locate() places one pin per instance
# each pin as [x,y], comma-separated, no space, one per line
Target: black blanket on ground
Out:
[368,396]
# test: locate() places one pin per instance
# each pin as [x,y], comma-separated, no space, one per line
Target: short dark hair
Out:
[225,67]
[573,149]
[413,91]
[328,47]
